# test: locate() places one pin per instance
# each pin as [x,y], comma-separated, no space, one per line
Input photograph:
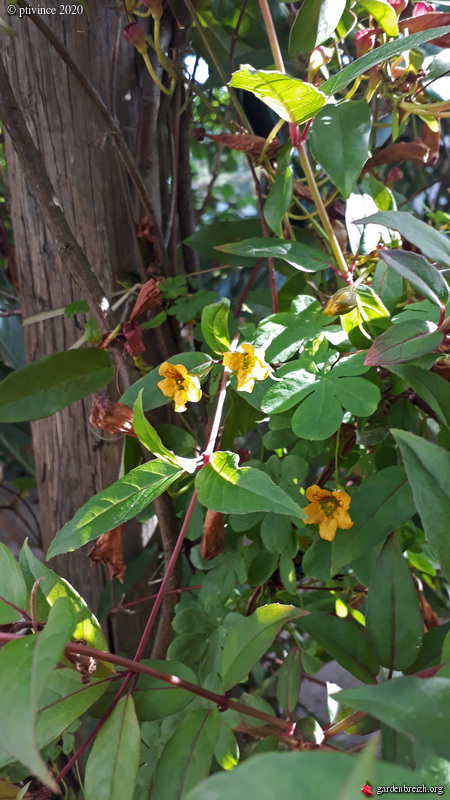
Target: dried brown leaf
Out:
[108,550]
[149,297]
[432,139]
[417,151]
[213,539]
[108,415]
[246,143]
[85,665]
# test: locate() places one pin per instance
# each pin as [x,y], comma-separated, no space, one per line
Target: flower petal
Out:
[343,519]
[315,513]
[168,387]
[343,499]
[317,495]
[327,529]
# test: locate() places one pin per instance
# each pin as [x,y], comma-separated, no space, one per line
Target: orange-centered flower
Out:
[248,367]
[329,509]
[179,384]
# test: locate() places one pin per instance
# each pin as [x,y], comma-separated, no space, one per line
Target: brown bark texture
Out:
[74,461]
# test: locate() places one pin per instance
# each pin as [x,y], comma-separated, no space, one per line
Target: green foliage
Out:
[48,384]
[305,491]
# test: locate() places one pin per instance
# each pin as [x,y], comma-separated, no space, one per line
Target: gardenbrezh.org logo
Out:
[419,789]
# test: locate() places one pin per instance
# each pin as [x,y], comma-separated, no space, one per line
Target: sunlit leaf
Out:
[293,100]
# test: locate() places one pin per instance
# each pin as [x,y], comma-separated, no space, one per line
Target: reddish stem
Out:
[247,287]
[16,608]
[152,597]
[441,316]
[165,580]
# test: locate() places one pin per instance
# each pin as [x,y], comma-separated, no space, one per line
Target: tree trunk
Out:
[73,460]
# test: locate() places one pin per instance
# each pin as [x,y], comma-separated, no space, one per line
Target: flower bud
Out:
[364,41]
[319,57]
[343,301]
[135,35]
[398,5]
[422,8]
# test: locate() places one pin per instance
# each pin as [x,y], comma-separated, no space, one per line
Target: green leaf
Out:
[400,703]
[380,505]
[293,100]
[207,239]
[432,650]
[113,762]
[427,467]
[224,486]
[303,776]
[64,700]
[250,638]
[420,273]
[288,392]
[320,415]
[226,752]
[432,243]
[298,255]
[86,624]
[51,383]
[340,141]
[383,53]
[289,679]
[404,341]
[25,666]
[314,24]
[215,326]
[345,641]
[151,440]
[288,574]
[429,386]
[78,307]
[12,587]
[393,621]
[187,756]
[384,14]
[155,699]
[275,532]
[357,395]
[280,195]
[152,397]
[114,505]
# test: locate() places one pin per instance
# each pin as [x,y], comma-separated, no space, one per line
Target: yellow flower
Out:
[329,509]
[179,384]
[248,367]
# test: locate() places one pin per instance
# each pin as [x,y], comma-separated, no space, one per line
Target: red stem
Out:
[152,597]
[165,580]
[16,608]
[135,667]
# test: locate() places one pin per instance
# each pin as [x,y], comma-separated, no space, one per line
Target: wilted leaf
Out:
[245,143]
[213,538]
[112,417]
[108,550]
[149,297]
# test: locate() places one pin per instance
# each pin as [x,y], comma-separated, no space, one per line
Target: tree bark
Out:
[73,460]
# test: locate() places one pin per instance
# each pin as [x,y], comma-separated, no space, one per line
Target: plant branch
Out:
[343,724]
[133,667]
[321,210]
